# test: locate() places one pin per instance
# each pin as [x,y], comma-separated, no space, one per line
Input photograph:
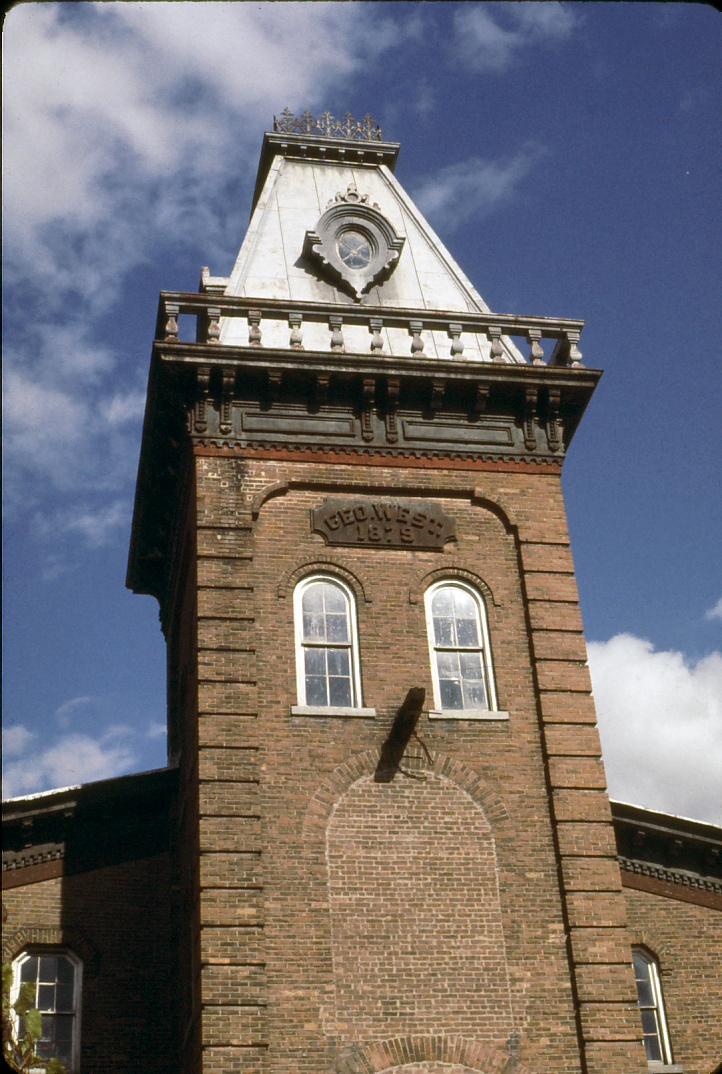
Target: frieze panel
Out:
[383,524]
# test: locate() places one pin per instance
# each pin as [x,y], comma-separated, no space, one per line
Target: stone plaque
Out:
[383,523]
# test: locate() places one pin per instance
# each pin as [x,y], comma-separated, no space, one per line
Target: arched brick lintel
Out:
[363,764]
[420,1054]
[51,936]
[323,564]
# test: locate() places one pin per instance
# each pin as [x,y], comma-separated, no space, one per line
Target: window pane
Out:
[314,627]
[652,1048]
[340,692]
[475,695]
[464,606]
[448,665]
[470,665]
[64,997]
[315,661]
[48,969]
[29,970]
[46,997]
[441,603]
[443,631]
[450,694]
[66,972]
[467,633]
[313,599]
[316,690]
[338,662]
[337,627]
[645,994]
[334,598]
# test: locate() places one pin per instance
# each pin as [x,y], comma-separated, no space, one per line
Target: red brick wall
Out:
[117,919]
[687,941]
[277,792]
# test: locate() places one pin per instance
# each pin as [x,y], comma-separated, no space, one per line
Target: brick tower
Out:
[394,843]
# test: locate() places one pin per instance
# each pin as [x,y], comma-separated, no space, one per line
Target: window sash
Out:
[328,682]
[651,1008]
[464,691]
[57,977]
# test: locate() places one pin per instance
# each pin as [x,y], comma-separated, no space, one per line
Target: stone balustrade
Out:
[370,330]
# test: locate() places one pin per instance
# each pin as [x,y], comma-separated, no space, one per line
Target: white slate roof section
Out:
[270,263]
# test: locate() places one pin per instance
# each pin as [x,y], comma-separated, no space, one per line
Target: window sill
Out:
[655,1067]
[467,714]
[331,710]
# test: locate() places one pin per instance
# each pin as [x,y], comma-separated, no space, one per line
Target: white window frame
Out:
[655,985]
[303,708]
[492,712]
[38,951]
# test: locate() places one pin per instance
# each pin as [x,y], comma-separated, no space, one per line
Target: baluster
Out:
[213,332]
[457,347]
[417,343]
[536,351]
[296,340]
[375,326]
[254,328]
[574,355]
[335,323]
[493,333]
[172,310]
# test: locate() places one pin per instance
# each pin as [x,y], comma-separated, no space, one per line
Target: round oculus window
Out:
[354,249]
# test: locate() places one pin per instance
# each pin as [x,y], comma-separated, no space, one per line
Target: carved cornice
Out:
[670,876]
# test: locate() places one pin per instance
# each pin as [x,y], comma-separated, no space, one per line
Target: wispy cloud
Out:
[490,37]
[660,719]
[715,612]
[73,758]
[474,187]
[107,169]
[16,740]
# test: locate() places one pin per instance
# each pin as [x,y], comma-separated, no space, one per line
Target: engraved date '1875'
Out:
[383,523]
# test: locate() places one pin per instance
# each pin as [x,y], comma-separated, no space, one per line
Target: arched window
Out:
[459,645]
[327,665]
[54,979]
[651,1006]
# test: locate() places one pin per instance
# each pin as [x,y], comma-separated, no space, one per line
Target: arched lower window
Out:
[55,978]
[651,1006]
[459,645]
[327,665]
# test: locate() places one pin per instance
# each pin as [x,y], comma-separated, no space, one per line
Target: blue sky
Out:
[566,155]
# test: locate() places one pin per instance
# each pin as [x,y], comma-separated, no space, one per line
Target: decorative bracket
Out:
[481,398]
[438,390]
[393,386]
[530,405]
[203,380]
[228,381]
[369,393]
[553,419]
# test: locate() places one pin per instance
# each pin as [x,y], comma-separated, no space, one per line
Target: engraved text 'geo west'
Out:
[383,523]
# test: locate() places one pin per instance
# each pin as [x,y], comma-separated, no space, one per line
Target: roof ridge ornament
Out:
[352,197]
[328,126]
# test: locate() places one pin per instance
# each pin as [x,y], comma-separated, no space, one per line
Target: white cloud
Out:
[474,187]
[73,758]
[715,612]
[95,526]
[660,719]
[16,739]
[156,729]
[488,38]
[66,713]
